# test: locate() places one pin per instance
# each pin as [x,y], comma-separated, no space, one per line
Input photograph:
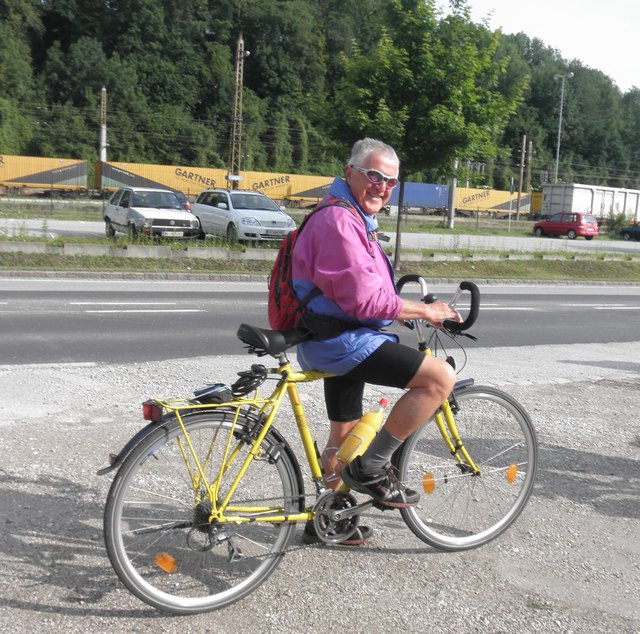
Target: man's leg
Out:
[429,385]
[337,432]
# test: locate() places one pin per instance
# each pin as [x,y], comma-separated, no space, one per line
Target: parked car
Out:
[239,214]
[568,224]
[632,232]
[184,200]
[152,212]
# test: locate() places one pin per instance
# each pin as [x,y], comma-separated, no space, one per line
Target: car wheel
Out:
[133,232]
[588,237]
[539,232]
[626,236]
[109,230]
[232,233]
[571,234]
[202,235]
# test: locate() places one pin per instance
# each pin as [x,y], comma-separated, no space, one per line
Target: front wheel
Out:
[571,234]
[156,523]
[232,233]
[458,509]
[539,232]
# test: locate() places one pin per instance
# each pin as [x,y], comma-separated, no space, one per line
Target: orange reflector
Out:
[511,472]
[428,482]
[165,562]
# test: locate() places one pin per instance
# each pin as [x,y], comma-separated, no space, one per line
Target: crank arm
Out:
[345,514]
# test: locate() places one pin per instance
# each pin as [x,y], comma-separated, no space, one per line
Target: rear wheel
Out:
[458,509]
[588,237]
[110,232]
[157,530]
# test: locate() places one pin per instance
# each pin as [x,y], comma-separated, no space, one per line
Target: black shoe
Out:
[359,537]
[383,487]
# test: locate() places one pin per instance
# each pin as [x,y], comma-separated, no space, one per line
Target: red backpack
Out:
[284,308]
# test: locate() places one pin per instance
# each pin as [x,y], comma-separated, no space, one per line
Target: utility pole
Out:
[529,161]
[103,125]
[236,131]
[451,212]
[522,157]
[562,78]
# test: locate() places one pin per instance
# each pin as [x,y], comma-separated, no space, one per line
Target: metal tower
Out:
[236,131]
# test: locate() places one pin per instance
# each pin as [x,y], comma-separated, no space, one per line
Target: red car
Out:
[568,224]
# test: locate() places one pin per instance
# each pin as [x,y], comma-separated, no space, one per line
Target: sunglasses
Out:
[376,177]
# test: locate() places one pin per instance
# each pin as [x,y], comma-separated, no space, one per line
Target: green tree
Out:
[430,88]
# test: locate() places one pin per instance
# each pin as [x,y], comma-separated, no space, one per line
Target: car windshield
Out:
[589,219]
[253,201]
[156,200]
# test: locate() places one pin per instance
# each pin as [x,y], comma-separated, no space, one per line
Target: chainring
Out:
[334,532]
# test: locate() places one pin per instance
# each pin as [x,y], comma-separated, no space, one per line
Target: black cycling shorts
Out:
[392,364]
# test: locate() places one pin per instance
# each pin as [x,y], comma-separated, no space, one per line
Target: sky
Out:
[601,34]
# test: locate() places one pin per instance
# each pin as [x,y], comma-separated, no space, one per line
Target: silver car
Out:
[151,212]
[238,214]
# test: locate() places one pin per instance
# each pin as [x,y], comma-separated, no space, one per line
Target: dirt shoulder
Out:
[570,564]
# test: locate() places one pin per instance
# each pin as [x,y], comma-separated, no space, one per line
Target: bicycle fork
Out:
[447,427]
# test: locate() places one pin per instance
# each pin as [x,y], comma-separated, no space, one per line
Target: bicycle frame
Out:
[222,511]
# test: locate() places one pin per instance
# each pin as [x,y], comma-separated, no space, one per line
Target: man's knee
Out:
[436,374]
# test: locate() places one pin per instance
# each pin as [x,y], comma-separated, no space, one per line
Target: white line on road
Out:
[150,310]
[122,303]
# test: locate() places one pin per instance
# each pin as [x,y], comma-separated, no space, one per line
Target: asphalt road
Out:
[118,321]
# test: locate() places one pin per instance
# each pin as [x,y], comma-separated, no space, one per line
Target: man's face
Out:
[371,197]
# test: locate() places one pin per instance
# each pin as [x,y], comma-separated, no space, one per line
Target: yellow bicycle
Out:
[207,496]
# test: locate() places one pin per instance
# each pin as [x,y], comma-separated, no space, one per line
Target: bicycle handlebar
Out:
[448,324]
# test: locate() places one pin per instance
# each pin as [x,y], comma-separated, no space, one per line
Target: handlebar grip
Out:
[455,327]
[412,277]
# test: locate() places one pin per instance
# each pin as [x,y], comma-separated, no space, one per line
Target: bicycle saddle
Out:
[262,341]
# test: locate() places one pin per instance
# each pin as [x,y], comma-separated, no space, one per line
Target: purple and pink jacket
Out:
[337,253]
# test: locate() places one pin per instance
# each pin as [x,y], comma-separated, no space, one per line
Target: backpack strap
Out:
[321,325]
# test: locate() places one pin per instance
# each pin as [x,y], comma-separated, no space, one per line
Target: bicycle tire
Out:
[457,510]
[156,531]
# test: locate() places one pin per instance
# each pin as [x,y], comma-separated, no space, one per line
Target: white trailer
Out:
[600,201]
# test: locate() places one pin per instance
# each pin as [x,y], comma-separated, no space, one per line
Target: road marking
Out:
[616,307]
[506,308]
[122,303]
[150,310]
[592,305]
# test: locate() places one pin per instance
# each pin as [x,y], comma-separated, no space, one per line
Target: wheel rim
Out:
[459,510]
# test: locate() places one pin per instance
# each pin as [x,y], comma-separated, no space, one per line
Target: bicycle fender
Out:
[115,460]
[276,438]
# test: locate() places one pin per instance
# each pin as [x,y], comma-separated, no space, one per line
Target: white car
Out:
[151,212]
[239,214]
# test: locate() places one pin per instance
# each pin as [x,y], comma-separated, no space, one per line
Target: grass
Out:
[590,270]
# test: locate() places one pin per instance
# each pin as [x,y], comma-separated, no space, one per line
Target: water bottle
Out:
[363,432]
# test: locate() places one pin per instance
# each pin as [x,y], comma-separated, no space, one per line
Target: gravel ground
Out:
[571,563]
